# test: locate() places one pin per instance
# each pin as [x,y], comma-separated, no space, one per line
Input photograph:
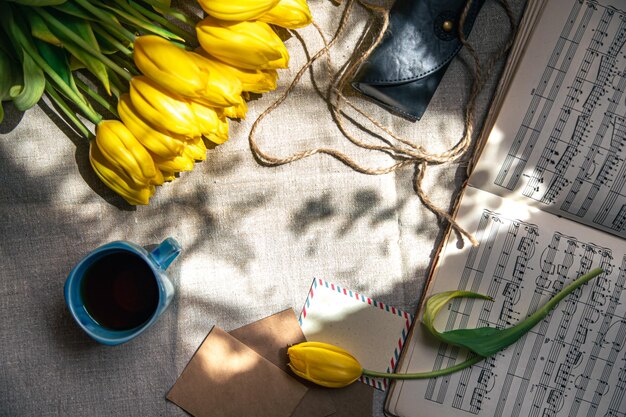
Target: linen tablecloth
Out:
[253,237]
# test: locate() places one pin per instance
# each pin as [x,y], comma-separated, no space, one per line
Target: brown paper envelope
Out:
[226,378]
[355,400]
[269,337]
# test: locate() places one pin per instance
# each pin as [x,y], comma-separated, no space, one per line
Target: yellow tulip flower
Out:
[196,149]
[250,45]
[254,81]
[290,14]
[168,175]
[122,163]
[236,112]
[159,143]
[164,110]
[212,122]
[169,166]
[207,117]
[184,72]
[124,152]
[324,364]
[236,9]
[118,181]
[220,134]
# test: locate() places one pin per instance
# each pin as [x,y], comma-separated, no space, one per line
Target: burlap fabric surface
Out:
[254,237]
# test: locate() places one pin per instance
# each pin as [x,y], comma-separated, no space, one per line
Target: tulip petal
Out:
[250,45]
[324,364]
[117,181]
[157,142]
[290,14]
[118,145]
[162,109]
[185,73]
[237,9]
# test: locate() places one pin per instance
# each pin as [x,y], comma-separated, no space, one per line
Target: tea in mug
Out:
[120,291]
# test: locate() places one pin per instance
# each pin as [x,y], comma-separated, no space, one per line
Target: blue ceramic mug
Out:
[119,290]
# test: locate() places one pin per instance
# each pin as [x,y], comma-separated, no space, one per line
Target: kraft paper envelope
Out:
[371,331]
[226,378]
[270,337]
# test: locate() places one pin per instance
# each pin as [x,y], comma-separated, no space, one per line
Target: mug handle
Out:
[166,252]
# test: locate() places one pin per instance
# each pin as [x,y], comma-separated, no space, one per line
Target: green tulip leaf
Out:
[29,81]
[164,8]
[58,60]
[75,64]
[8,74]
[486,341]
[9,70]
[38,3]
[7,45]
[83,29]
[40,30]
[105,45]
[142,23]
[34,83]
[24,44]
[72,9]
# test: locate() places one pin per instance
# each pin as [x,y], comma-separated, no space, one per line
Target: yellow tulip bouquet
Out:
[171,82]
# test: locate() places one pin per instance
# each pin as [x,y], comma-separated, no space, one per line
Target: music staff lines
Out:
[575,350]
[559,182]
[604,175]
[512,168]
[570,133]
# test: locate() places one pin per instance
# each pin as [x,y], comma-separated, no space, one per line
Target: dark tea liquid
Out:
[120,291]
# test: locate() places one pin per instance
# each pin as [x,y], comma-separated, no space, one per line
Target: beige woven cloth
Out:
[253,237]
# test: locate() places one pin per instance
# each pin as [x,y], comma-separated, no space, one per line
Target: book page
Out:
[573,363]
[558,142]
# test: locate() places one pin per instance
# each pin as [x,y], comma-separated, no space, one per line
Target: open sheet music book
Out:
[546,199]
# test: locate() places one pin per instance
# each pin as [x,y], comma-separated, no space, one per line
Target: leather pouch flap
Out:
[416,44]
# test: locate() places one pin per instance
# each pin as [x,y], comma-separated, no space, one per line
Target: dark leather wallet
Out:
[404,70]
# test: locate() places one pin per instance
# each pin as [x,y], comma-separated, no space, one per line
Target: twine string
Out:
[405,151]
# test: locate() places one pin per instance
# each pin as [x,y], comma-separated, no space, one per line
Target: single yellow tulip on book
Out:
[324,364]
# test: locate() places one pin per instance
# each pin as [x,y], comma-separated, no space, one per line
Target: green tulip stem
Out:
[543,312]
[187,36]
[175,13]
[62,105]
[80,42]
[106,18]
[114,42]
[96,97]
[129,65]
[512,334]
[141,23]
[425,375]
[117,86]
